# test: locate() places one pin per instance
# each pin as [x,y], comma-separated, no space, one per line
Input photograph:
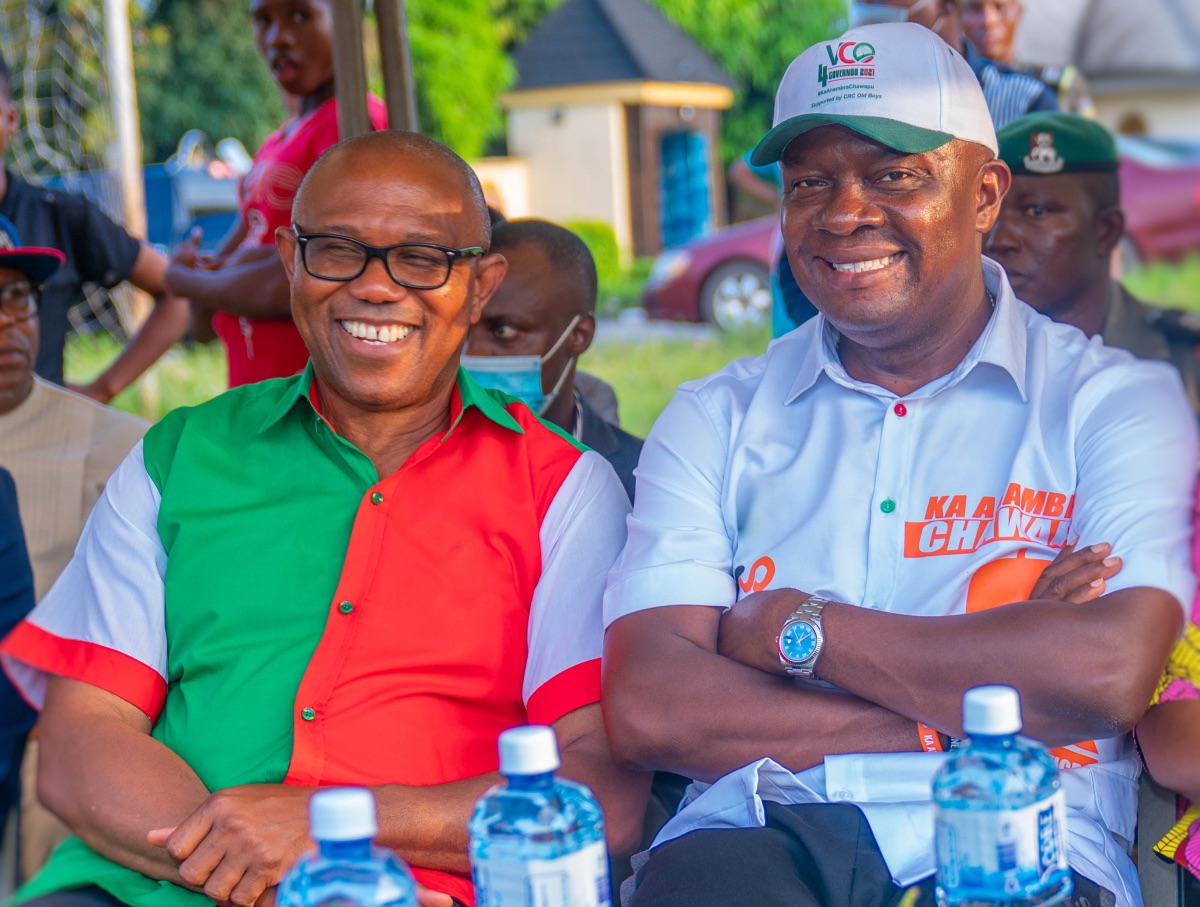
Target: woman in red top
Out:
[242,291]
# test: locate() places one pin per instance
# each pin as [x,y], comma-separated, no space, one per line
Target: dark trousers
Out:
[813,855]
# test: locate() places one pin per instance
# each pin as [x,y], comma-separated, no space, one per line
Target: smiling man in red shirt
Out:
[357,575]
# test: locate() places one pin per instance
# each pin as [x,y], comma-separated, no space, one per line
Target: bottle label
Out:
[1002,853]
[579,879]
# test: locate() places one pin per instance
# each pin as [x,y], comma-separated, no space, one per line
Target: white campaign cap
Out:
[991,710]
[342,814]
[531,749]
[896,82]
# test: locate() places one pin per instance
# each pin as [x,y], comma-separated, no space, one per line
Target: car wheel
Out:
[737,296]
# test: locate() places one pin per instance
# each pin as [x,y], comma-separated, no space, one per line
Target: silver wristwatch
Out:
[802,638]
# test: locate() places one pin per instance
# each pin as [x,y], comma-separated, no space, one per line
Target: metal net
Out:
[56,52]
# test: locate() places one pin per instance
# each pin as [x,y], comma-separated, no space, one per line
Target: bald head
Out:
[422,159]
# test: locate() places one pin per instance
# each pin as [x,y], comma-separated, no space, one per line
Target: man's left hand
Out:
[241,841]
[750,630]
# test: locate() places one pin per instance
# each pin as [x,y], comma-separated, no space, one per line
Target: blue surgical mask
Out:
[872,13]
[520,376]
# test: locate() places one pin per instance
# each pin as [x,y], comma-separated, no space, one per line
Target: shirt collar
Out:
[1002,343]
[468,394]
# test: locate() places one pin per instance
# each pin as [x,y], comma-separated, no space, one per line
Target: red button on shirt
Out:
[900,409]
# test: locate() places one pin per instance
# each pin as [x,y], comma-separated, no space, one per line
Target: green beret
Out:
[1043,144]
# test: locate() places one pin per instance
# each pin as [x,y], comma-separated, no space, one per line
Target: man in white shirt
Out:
[880,481]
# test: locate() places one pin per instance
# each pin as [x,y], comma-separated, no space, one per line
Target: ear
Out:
[286,246]
[1110,227]
[581,335]
[994,181]
[489,272]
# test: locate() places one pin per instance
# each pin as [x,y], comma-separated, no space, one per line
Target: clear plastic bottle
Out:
[538,840]
[346,870]
[1000,814]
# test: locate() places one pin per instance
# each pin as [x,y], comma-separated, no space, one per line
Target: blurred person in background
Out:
[991,26]
[1058,229]
[240,294]
[16,600]
[60,448]
[535,327]
[1009,94]
[95,250]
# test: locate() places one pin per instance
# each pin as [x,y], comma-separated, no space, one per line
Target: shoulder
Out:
[81,409]
[771,373]
[232,418]
[1093,375]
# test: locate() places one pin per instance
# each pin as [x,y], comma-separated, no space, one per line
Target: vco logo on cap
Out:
[849,60]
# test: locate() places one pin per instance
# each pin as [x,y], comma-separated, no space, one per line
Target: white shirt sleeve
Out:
[1136,455]
[680,550]
[103,620]
[581,535]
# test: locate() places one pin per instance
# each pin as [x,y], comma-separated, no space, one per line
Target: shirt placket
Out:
[891,500]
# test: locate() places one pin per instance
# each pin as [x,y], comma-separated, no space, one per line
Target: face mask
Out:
[870,13]
[520,376]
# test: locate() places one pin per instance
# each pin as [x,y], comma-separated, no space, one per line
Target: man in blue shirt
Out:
[16,600]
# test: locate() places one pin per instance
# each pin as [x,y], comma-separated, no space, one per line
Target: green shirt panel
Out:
[258,500]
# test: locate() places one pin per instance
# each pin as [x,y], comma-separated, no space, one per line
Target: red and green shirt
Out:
[283,614]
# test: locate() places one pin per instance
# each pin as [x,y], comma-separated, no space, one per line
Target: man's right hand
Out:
[1077,576]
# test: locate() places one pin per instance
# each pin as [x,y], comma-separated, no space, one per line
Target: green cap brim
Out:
[900,136]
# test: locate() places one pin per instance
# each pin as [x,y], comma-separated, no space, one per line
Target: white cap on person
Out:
[896,82]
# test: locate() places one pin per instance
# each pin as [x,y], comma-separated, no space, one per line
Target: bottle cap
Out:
[991,710]
[528,750]
[342,814]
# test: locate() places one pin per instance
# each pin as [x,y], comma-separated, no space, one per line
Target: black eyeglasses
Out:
[416,265]
[19,300]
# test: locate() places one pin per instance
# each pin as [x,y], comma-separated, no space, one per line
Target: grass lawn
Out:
[644,374]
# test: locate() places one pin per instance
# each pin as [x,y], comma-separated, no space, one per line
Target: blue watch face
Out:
[798,642]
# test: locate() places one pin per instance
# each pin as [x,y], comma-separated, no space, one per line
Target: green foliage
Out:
[601,241]
[515,19]
[197,68]
[1174,285]
[460,71]
[754,43]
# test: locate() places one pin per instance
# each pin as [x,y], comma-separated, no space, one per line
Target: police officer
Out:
[1058,228]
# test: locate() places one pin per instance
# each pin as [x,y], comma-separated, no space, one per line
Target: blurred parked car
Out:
[723,278]
[1160,192]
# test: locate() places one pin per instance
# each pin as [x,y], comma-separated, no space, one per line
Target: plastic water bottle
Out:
[346,870]
[1000,813]
[538,840]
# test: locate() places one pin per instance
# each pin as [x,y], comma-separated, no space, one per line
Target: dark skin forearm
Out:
[254,287]
[1084,671]
[1169,736]
[132,783]
[672,703]
[241,840]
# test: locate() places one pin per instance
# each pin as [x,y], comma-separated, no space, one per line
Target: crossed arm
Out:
[1085,668]
[136,802]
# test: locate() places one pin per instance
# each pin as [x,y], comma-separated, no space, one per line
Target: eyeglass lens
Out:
[18,299]
[412,264]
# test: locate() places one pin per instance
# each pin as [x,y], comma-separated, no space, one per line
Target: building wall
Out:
[576,163]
